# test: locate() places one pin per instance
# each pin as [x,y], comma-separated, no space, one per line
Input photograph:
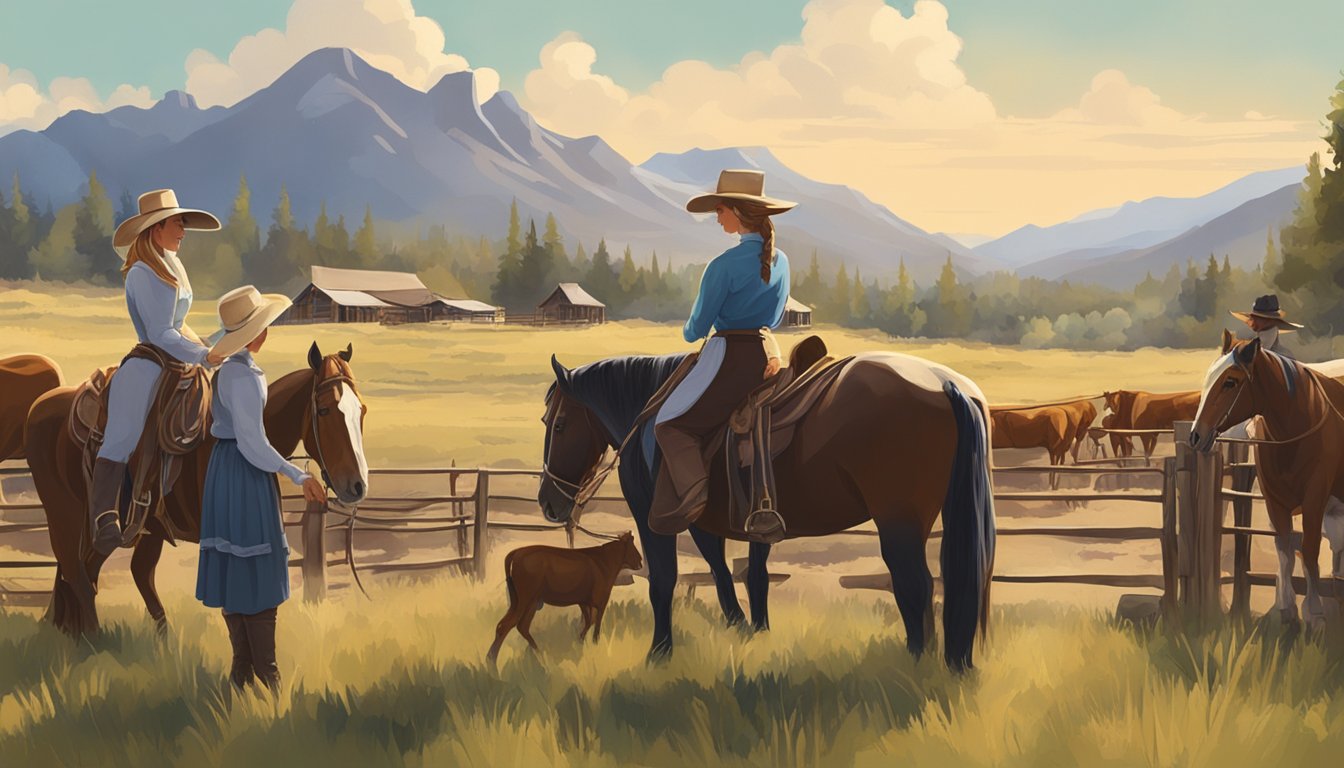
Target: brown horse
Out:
[896,440]
[23,379]
[319,406]
[1300,463]
[1081,414]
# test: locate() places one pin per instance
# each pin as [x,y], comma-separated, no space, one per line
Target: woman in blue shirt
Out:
[742,295]
[244,568]
[158,297]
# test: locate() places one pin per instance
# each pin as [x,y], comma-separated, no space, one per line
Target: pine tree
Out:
[366,244]
[629,274]
[554,242]
[535,268]
[93,233]
[839,305]
[128,207]
[601,279]
[18,234]
[1270,266]
[241,229]
[859,307]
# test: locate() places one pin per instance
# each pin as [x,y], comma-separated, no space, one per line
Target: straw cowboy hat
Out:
[156,206]
[1267,308]
[738,185]
[243,314]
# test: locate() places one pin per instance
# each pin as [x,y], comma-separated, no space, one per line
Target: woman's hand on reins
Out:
[213,360]
[771,367]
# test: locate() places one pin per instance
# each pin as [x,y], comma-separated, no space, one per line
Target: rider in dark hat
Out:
[1266,320]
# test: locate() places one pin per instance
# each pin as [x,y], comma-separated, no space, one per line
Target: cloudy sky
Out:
[964,116]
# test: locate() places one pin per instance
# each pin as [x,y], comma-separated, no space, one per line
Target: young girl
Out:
[158,296]
[742,295]
[244,555]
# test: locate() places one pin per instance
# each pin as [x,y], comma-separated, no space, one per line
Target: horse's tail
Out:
[968,534]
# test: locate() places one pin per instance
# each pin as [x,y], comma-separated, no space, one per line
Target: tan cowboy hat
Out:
[1267,308]
[244,313]
[156,206]
[738,185]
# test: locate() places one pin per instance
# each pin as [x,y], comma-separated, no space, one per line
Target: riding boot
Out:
[261,641]
[241,673]
[682,489]
[104,518]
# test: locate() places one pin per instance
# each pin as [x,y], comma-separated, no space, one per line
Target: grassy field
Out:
[402,682]
[401,679]
[472,393]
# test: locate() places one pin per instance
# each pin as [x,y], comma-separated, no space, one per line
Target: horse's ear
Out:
[1228,338]
[314,357]
[347,353]
[1246,355]
[562,374]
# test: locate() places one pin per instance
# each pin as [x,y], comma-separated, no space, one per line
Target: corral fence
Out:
[1192,498]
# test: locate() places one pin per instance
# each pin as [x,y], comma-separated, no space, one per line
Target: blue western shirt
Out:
[732,295]
[240,403]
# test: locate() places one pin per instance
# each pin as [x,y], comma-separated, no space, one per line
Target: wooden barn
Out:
[796,314]
[570,303]
[371,296]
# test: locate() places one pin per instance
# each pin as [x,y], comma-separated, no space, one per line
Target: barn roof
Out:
[367,280]
[794,305]
[468,305]
[353,298]
[574,294]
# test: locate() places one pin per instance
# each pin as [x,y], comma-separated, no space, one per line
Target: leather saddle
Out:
[177,421]
[763,426]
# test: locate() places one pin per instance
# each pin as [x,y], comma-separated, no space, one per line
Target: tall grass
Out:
[402,681]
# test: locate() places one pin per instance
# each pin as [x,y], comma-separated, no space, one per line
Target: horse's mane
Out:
[618,388]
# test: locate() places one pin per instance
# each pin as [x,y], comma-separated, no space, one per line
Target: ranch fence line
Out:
[1193,521]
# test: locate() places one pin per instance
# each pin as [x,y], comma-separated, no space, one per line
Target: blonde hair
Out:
[756,218]
[144,249]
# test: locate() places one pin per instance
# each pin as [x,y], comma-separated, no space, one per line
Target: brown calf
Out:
[540,575]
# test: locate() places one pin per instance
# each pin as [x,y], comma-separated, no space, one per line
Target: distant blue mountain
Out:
[334,129]
[1134,225]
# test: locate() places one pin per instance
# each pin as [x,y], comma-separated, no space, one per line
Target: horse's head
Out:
[335,436]
[1112,401]
[574,445]
[1222,403]
[630,553]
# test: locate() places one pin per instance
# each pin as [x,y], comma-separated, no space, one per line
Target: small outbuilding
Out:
[570,303]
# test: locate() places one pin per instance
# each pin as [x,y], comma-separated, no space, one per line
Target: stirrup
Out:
[766,526]
[135,523]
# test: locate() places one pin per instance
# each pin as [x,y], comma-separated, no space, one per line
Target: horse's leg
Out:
[758,585]
[587,611]
[525,626]
[660,555]
[510,620]
[712,548]
[1285,599]
[1312,513]
[911,582]
[143,562]
[1333,528]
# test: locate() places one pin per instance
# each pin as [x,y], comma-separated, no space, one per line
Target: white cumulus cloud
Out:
[24,104]
[388,34]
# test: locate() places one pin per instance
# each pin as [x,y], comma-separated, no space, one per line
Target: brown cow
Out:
[1049,427]
[539,575]
[1121,405]
[1081,415]
[1161,411]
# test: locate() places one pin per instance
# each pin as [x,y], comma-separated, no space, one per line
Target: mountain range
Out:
[335,129]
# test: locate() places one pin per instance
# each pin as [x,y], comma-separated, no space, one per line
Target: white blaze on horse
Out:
[1299,461]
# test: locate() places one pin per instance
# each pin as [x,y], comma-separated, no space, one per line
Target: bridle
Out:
[556,424]
[333,381]
[1222,423]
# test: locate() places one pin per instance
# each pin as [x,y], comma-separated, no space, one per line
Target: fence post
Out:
[1209,511]
[457,512]
[1169,541]
[1185,514]
[1242,480]
[481,547]
[315,552]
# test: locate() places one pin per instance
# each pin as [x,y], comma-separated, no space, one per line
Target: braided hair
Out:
[756,218]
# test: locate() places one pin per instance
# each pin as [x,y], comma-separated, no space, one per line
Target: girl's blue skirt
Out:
[244,553]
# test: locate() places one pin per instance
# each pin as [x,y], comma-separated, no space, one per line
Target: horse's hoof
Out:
[659,655]
[161,626]
[1288,615]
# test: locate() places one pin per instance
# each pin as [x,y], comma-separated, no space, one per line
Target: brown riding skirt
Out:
[742,370]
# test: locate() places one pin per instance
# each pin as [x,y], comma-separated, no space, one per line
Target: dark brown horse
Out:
[896,440]
[1300,462]
[318,406]
[23,379]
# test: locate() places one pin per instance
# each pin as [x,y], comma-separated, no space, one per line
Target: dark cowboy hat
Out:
[1267,308]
